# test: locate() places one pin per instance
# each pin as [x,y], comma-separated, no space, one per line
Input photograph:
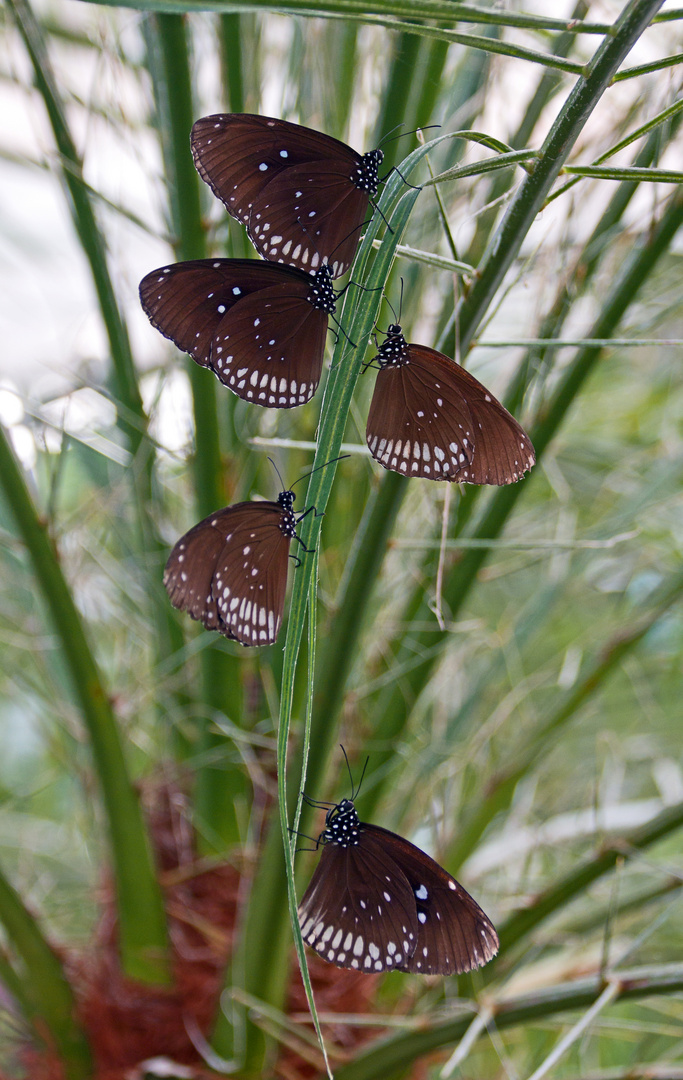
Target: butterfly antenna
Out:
[397,320]
[319,467]
[344,239]
[415,187]
[389,138]
[284,486]
[348,769]
[400,305]
[362,775]
[376,208]
[395,168]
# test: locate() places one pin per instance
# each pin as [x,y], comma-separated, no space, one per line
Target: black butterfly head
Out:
[321,295]
[288,520]
[341,825]
[286,499]
[366,176]
[394,348]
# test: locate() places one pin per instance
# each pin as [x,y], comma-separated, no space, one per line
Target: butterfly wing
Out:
[429,417]
[230,572]
[358,911]
[242,315]
[313,213]
[503,450]
[269,348]
[191,566]
[291,186]
[454,934]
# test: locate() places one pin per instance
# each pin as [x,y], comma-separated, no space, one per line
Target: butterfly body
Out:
[302,195]
[230,571]
[260,328]
[378,903]
[430,417]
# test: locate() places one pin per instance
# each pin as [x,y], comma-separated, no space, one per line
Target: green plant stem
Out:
[604,172]
[230,39]
[350,613]
[131,416]
[548,84]
[397,1052]
[265,935]
[533,190]
[142,923]
[219,785]
[45,993]
[438,10]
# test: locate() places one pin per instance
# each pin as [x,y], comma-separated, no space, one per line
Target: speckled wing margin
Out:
[259,327]
[429,417]
[230,572]
[341,918]
[454,934]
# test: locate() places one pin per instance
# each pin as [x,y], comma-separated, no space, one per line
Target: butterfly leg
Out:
[395,169]
[295,832]
[342,331]
[310,510]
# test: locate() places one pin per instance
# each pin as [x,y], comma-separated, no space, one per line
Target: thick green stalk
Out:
[396,703]
[238,41]
[548,84]
[131,417]
[531,194]
[45,992]
[140,905]
[343,45]
[219,784]
[232,70]
[169,63]
[266,934]
[393,1055]
[397,94]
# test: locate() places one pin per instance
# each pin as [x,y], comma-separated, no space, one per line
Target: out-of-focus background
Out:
[513,668]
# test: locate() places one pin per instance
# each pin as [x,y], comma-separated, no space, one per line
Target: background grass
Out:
[531,740]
